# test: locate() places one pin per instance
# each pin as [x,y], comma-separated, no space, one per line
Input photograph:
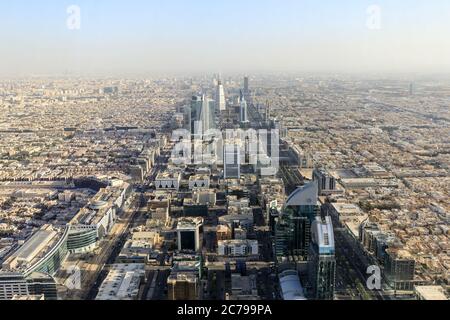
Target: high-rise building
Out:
[199,116]
[205,114]
[183,286]
[400,269]
[192,113]
[220,97]
[188,234]
[232,159]
[243,110]
[247,88]
[293,228]
[325,181]
[18,284]
[267,112]
[322,260]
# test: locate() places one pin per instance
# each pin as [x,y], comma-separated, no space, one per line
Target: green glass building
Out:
[293,228]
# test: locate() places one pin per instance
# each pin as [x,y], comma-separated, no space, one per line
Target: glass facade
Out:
[81,240]
[54,258]
[293,231]
[322,272]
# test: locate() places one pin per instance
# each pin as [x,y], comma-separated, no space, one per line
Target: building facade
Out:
[293,228]
[322,260]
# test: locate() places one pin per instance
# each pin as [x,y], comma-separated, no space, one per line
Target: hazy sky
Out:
[144,36]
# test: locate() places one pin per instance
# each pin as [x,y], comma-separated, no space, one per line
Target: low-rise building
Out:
[238,248]
[123,282]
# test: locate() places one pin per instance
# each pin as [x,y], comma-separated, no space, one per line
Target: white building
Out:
[123,282]
[220,97]
[238,248]
[432,293]
[243,109]
[291,288]
[168,181]
[199,181]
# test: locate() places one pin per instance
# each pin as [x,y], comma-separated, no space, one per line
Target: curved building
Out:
[43,252]
[53,259]
[82,239]
[293,228]
[291,288]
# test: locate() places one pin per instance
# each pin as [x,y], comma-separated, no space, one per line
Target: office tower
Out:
[322,260]
[205,115]
[188,234]
[220,97]
[183,286]
[400,269]
[192,113]
[243,113]
[293,228]
[199,116]
[232,160]
[325,181]
[246,87]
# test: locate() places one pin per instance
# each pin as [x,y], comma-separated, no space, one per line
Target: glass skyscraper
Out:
[293,228]
[322,260]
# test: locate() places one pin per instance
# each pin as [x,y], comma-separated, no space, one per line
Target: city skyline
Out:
[235,153]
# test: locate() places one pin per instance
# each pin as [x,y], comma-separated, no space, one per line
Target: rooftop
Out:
[431,292]
[122,283]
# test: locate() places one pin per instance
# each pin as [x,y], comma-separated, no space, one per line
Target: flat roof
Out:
[35,244]
[346,208]
[122,283]
[431,292]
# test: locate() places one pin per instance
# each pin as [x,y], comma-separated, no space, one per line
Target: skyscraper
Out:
[326,182]
[246,85]
[399,269]
[220,97]
[200,115]
[192,113]
[267,112]
[322,260]
[293,228]
[232,159]
[205,115]
[243,109]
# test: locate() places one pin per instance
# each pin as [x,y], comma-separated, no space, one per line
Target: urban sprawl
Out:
[261,187]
